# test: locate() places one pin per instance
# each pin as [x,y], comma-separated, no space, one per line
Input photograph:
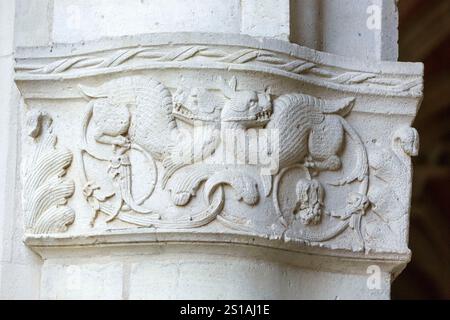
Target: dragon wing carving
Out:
[312,132]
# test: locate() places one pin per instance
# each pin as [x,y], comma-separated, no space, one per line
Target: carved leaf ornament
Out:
[45,188]
[138,115]
[218,134]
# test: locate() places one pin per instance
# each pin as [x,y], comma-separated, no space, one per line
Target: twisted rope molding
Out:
[242,56]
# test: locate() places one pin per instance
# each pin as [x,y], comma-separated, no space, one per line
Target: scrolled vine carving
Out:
[181,136]
[45,189]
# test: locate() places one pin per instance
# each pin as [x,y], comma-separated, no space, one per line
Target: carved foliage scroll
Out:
[45,189]
[159,157]
[138,115]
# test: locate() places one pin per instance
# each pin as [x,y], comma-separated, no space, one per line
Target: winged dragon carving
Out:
[142,115]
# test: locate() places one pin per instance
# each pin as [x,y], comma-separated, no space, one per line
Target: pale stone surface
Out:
[33,22]
[188,276]
[115,212]
[365,29]
[207,271]
[19,266]
[169,88]
[75,280]
[6,68]
[74,21]
[269,18]
[179,276]
[83,20]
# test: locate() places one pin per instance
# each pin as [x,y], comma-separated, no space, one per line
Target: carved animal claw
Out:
[312,166]
[94,199]
[122,141]
[333,163]
[89,187]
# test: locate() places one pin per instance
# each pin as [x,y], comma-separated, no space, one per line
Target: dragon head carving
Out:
[247,108]
[196,104]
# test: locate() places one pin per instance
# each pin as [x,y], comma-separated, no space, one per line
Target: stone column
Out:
[214,149]
[19,266]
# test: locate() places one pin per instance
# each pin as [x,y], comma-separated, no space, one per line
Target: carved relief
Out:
[142,121]
[45,190]
[391,176]
[309,202]
[229,135]
[138,114]
[251,57]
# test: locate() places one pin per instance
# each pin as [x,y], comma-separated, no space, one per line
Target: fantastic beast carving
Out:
[140,116]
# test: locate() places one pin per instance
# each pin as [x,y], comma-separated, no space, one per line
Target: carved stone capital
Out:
[221,139]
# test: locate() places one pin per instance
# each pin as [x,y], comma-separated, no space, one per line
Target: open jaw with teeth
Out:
[263,115]
[183,113]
